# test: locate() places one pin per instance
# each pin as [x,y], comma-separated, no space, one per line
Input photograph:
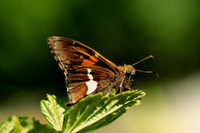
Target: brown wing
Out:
[77,79]
[70,53]
[75,59]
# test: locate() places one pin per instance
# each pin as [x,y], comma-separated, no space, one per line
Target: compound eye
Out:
[128,71]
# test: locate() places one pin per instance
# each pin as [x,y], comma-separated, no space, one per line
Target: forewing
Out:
[70,53]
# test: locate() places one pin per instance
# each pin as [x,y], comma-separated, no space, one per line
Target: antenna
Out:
[143,71]
[148,57]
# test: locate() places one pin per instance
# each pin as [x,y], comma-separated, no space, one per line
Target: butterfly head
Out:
[129,70]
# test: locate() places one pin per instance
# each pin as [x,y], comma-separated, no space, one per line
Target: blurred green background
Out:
[122,31]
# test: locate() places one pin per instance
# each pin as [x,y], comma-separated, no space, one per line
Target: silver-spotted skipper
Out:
[88,72]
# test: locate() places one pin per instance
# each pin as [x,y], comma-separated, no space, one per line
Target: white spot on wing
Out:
[91,84]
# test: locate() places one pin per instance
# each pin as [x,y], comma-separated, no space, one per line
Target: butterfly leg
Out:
[121,85]
[129,83]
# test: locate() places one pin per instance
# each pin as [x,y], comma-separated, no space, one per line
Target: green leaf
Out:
[18,124]
[53,110]
[13,124]
[38,128]
[95,111]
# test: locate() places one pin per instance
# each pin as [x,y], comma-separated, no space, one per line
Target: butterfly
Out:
[88,72]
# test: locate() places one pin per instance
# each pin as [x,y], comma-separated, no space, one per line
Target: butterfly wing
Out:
[86,70]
